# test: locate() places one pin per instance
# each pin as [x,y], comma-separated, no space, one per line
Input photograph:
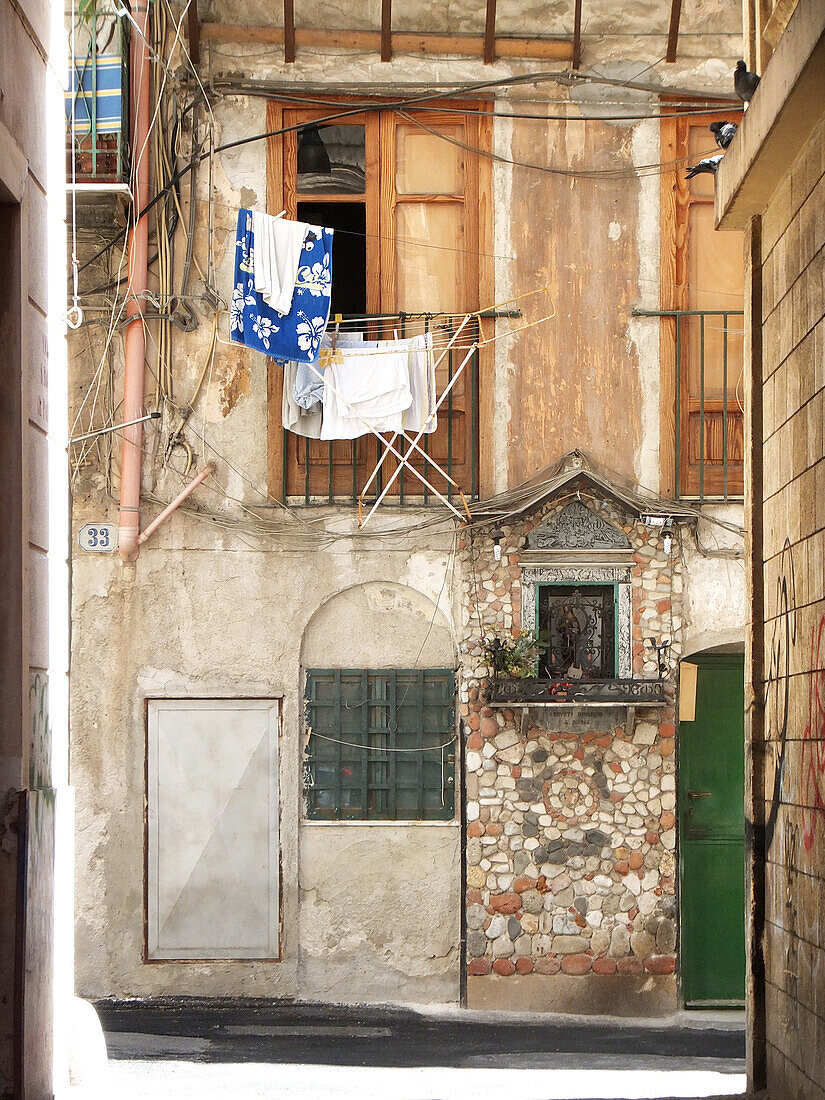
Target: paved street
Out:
[179,1050]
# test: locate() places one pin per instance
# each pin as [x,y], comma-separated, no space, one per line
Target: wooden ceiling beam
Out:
[194,33]
[673,32]
[490,33]
[577,35]
[403,42]
[386,30]
[289,32]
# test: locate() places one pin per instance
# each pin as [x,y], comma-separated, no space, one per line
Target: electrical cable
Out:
[667,110]
[395,105]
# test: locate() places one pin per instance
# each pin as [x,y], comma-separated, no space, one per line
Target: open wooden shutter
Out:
[429,193]
[705,278]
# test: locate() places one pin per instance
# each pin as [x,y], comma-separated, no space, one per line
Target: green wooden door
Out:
[712,836]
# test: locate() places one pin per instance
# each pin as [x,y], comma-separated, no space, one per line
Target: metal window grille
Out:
[381,744]
[579,623]
[327,473]
[709,419]
[98,95]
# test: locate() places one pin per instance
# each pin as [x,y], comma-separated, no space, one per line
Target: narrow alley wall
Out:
[35,825]
[775,189]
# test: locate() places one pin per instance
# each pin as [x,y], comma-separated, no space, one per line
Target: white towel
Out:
[421,368]
[374,386]
[276,250]
[422,385]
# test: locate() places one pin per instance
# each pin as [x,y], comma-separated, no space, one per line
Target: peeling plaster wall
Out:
[380,903]
[715,611]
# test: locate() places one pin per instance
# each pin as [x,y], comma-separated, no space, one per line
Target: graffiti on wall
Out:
[812,765]
[777,685]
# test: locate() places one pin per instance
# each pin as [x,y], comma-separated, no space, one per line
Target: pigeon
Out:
[724,132]
[744,83]
[709,164]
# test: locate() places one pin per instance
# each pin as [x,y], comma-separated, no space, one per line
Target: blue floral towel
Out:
[296,336]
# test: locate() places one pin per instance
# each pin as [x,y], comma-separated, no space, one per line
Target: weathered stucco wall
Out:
[239,599]
[714,607]
[568,233]
[380,903]
[221,620]
[380,912]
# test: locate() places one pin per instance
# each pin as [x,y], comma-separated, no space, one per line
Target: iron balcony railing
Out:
[561,692]
[708,413]
[319,473]
[97,103]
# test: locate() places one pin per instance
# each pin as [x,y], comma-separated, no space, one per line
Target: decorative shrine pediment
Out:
[575,527]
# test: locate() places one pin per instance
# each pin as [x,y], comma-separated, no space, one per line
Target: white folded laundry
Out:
[374,386]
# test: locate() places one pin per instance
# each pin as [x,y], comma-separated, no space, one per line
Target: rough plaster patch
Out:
[715,601]
[431,576]
[643,332]
[614,231]
[499,437]
[350,904]
[93,575]
[233,379]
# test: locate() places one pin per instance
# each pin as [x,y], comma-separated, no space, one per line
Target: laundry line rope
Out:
[379,748]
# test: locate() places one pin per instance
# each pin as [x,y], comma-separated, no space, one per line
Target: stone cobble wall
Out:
[571,812]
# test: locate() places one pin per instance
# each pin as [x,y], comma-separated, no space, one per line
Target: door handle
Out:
[699,794]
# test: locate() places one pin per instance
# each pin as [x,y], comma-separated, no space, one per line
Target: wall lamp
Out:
[498,536]
[664,524]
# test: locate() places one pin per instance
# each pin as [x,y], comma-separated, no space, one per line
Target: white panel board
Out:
[212,799]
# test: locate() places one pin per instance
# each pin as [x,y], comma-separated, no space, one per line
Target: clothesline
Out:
[441,334]
[379,748]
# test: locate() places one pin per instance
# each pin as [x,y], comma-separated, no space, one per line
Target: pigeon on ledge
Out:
[744,83]
[724,133]
[709,165]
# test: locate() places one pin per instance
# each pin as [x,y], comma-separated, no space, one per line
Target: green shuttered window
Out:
[381,744]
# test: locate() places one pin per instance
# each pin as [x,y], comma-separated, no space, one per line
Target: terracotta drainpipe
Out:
[135,339]
[208,469]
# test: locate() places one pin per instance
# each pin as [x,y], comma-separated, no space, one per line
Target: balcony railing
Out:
[97,99]
[535,690]
[707,347]
[320,472]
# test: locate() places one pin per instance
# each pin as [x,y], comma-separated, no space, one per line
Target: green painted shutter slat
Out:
[420,741]
[365,740]
[363,709]
[392,802]
[338,799]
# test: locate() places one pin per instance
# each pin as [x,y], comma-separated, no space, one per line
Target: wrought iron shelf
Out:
[578,693]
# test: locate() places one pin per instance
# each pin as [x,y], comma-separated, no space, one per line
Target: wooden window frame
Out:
[381,258]
[676,201]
